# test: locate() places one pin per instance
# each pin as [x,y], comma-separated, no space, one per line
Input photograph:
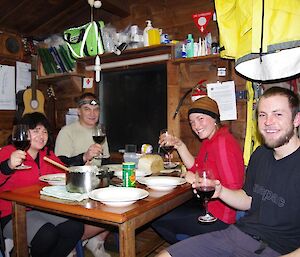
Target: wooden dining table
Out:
[127,219]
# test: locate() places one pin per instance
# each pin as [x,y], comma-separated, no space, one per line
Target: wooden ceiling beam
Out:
[116,7]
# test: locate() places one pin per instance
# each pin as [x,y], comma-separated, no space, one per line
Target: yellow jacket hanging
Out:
[262,36]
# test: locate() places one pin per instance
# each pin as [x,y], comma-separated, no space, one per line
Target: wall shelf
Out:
[58,77]
[198,58]
[130,54]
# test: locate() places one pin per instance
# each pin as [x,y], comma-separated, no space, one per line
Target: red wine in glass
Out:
[167,147]
[21,144]
[99,139]
[206,190]
[99,134]
[21,140]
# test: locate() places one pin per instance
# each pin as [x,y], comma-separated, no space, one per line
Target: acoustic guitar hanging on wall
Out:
[33,98]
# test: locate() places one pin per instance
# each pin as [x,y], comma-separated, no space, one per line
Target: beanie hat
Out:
[205,105]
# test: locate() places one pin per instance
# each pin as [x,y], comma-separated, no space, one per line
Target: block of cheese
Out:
[151,162]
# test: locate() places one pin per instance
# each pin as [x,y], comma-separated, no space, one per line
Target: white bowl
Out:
[162,183]
[161,188]
[118,196]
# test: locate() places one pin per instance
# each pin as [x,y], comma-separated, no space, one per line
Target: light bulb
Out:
[97,4]
[91,2]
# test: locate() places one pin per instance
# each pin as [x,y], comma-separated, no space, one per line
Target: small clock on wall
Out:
[11,45]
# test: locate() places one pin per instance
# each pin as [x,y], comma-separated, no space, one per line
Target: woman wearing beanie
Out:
[220,152]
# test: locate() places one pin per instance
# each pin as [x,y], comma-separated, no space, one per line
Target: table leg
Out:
[19,230]
[127,239]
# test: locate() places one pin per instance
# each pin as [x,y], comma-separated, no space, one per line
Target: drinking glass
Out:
[21,140]
[99,134]
[167,147]
[205,191]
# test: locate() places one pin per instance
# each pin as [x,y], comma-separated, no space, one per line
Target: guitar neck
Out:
[34,77]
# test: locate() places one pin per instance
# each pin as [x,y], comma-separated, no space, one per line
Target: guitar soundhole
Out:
[34,104]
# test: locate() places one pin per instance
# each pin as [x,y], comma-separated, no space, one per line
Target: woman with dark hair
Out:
[47,235]
[219,152]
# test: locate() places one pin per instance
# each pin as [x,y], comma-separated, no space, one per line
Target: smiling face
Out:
[275,120]
[88,114]
[203,125]
[38,138]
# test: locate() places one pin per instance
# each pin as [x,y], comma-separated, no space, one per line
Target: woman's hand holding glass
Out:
[166,144]
[167,138]
[16,159]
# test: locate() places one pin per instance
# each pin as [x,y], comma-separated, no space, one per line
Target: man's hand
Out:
[216,183]
[93,151]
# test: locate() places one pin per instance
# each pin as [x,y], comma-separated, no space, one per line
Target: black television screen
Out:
[134,105]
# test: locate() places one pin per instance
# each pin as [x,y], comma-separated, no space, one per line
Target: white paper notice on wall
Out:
[224,94]
[7,88]
[23,75]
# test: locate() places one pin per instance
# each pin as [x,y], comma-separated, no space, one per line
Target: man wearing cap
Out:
[222,154]
[75,146]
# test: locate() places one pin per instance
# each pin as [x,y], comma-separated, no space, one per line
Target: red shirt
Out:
[23,178]
[224,157]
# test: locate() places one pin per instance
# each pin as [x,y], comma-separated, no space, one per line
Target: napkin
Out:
[62,193]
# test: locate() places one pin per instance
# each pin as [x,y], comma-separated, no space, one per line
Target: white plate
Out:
[138,173]
[162,183]
[58,179]
[168,171]
[171,165]
[118,196]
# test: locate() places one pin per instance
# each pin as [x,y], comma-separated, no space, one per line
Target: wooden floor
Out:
[148,244]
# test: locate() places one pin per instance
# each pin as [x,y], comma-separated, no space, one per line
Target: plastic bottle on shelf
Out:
[145,34]
[190,46]
[183,51]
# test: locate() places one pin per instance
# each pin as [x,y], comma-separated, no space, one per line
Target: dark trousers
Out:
[183,222]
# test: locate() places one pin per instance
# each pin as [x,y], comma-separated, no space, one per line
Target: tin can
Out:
[128,174]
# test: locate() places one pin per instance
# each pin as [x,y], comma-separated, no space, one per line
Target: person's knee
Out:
[44,240]
[163,253]
[71,228]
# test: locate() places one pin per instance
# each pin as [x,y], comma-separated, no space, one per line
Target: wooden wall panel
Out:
[192,71]
[173,17]
[66,90]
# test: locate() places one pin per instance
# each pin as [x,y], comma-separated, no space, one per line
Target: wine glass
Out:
[99,134]
[21,140]
[205,191]
[167,147]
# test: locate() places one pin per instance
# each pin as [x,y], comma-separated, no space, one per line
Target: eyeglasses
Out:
[91,102]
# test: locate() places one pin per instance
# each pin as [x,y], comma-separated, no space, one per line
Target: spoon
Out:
[56,163]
